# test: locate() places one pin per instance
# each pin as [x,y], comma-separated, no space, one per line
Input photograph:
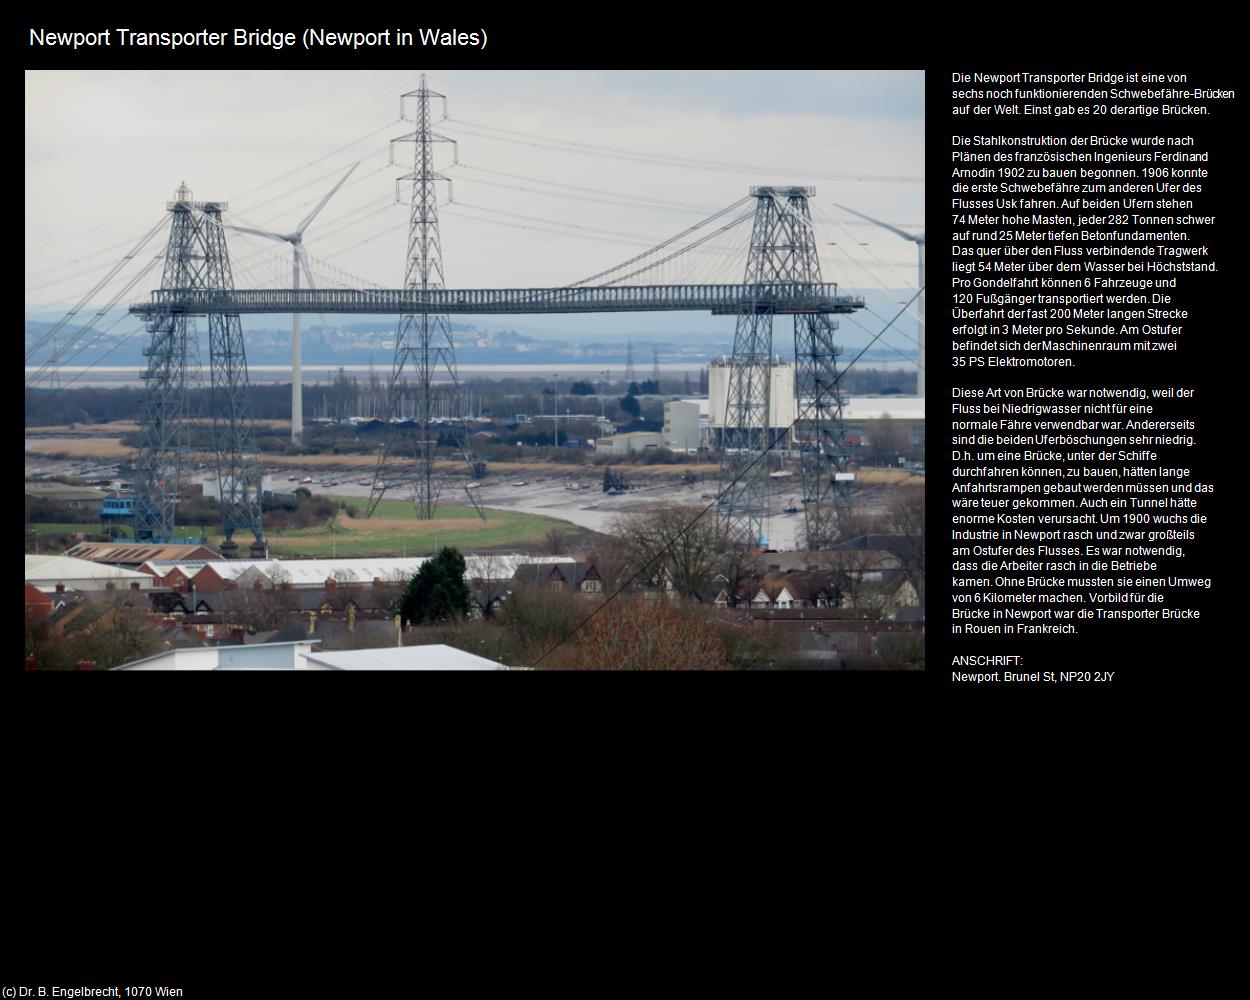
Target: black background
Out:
[123,783]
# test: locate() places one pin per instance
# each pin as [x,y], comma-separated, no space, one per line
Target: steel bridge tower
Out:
[783,252]
[423,344]
[196,259]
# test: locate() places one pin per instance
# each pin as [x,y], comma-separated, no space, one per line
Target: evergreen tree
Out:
[437,592]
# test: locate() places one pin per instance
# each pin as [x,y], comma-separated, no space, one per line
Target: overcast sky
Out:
[105,151]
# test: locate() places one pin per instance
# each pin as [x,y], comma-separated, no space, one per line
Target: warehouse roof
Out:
[880,407]
[260,656]
[63,492]
[432,657]
[134,554]
[315,572]
[55,569]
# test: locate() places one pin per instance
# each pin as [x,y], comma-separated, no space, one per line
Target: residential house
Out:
[575,577]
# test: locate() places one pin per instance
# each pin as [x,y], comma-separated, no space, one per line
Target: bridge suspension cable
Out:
[669,242]
[876,278]
[59,355]
[640,199]
[832,221]
[103,282]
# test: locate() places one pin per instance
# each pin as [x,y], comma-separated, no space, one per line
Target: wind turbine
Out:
[919,241]
[300,255]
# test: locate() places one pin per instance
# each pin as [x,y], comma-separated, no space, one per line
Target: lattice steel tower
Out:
[196,259]
[783,252]
[423,344]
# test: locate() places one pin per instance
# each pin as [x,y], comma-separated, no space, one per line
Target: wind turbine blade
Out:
[302,254]
[884,225]
[259,232]
[299,230]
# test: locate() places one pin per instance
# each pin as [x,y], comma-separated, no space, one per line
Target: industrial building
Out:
[302,655]
[628,444]
[781,402]
[314,574]
[60,573]
[685,424]
[79,497]
[133,555]
[858,408]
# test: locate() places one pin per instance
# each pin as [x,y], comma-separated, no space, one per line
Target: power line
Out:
[589,190]
[574,197]
[334,152]
[660,160]
[553,222]
[753,136]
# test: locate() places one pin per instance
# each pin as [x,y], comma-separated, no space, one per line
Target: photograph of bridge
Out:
[656,207]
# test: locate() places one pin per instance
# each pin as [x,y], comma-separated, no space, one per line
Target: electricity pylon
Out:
[423,344]
[196,260]
[783,253]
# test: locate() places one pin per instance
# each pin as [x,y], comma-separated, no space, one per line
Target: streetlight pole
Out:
[604,373]
[555,411]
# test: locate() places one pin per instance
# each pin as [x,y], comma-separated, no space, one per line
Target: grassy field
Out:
[68,448]
[89,528]
[395,531]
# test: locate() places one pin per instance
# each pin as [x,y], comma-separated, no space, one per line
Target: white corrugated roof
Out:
[432,657]
[56,568]
[315,572]
[877,407]
[310,572]
[262,656]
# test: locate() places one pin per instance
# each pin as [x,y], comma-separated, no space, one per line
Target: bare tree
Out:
[672,547]
[905,519]
[387,593]
[262,608]
[858,577]
[888,439]
[646,635]
[105,634]
[737,563]
[556,538]
[491,586]
[856,521]
[539,618]
[343,592]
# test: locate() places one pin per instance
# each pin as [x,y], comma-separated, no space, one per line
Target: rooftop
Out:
[432,657]
[64,492]
[879,407]
[133,553]
[55,569]
[315,572]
